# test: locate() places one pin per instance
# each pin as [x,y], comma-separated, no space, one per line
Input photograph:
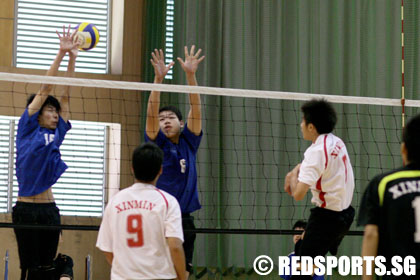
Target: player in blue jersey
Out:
[41,131]
[179,143]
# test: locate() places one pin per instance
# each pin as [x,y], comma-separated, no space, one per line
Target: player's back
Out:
[399,198]
[138,220]
[327,169]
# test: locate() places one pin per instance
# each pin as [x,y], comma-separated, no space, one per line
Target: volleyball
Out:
[88,35]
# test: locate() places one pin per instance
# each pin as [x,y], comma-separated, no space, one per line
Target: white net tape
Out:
[204,90]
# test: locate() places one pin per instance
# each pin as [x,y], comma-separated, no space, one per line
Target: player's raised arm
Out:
[45,89]
[152,119]
[64,101]
[190,65]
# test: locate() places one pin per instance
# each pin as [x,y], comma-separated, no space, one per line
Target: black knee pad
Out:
[63,266]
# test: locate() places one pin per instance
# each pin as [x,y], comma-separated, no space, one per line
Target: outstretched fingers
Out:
[191,54]
[152,62]
[157,55]
[158,63]
[73,34]
[192,50]
[186,51]
[66,33]
[162,56]
[200,59]
[180,60]
[154,57]
[169,66]
[197,54]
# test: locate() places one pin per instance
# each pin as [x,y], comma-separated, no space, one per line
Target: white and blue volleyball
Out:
[88,35]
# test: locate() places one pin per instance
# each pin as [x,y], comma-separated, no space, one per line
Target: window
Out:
[4,162]
[81,189]
[169,35]
[36,39]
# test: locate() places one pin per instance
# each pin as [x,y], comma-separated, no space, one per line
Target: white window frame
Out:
[169,35]
[36,43]
[111,161]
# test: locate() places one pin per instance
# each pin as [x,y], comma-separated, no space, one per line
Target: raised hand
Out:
[67,43]
[192,60]
[75,50]
[158,62]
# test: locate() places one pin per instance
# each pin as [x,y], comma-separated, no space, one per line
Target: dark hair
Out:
[51,100]
[173,109]
[147,161]
[411,136]
[321,114]
[300,224]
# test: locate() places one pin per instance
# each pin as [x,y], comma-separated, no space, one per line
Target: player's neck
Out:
[153,183]
[174,139]
[406,161]
[314,136]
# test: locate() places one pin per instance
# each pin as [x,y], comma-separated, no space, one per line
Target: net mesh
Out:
[251,161]
[251,139]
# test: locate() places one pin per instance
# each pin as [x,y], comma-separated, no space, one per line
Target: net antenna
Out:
[402,66]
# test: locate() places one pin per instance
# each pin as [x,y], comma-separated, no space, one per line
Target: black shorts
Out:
[325,231]
[37,247]
[189,238]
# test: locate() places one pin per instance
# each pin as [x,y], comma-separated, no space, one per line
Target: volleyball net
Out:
[251,139]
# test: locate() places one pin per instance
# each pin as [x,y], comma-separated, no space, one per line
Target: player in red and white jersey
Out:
[326,170]
[141,230]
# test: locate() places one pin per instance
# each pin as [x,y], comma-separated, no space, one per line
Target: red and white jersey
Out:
[326,168]
[134,228]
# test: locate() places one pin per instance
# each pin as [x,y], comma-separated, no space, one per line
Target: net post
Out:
[6,265]
[88,263]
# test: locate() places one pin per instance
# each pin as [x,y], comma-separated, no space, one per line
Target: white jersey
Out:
[326,168]
[134,228]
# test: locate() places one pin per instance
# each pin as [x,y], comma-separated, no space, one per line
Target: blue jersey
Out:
[179,177]
[38,162]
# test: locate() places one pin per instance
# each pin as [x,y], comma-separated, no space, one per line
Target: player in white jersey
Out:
[141,230]
[326,170]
